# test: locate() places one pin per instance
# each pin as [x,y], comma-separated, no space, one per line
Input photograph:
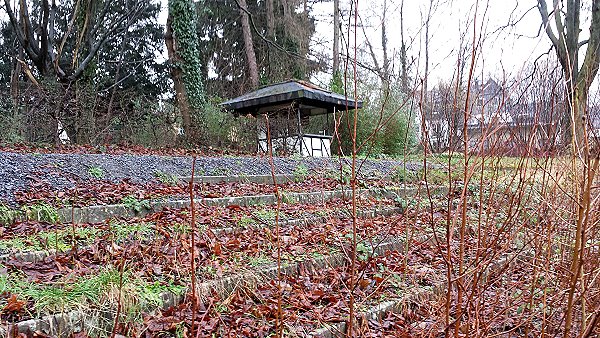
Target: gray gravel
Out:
[61,171]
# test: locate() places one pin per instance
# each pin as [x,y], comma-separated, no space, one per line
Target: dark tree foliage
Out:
[137,51]
[129,80]
[280,56]
[95,69]
[6,51]
[62,39]
[89,66]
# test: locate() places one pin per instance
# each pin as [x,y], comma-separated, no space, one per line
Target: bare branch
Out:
[46,48]
[28,28]
[368,42]
[23,40]
[108,35]
[543,9]
[28,73]
[59,70]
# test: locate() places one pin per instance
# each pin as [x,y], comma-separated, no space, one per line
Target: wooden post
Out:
[300,138]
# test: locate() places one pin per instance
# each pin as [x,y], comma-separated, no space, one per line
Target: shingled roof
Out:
[287,92]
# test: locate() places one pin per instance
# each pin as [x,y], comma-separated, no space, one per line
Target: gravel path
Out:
[18,170]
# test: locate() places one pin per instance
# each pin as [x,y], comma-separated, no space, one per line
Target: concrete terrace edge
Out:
[260,179]
[101,213]
[64,324]
[40,255]
[377,312]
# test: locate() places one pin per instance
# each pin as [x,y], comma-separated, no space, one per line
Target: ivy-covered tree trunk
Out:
[182,48]
[181,101]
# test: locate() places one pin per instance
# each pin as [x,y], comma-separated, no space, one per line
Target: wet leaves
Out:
[102,192]
[166,254]
[14,305]
[309,298]
[167,251]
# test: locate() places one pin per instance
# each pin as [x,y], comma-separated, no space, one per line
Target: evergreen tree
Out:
[73,58]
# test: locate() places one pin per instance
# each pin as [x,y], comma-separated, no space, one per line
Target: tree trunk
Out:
[286,10]
[248,44]
[270,34]
[403,63]
[270,19]
[425,87]
[425,96]
[181,97]
[386,61]
[336,37]
[14,78]
[573,120]
[567,45]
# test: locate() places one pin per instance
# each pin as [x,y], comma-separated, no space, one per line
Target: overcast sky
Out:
[509,29]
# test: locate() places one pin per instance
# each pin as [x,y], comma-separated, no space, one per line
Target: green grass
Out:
[300,173]
[342,176]
[404,175]
[246,221]
[98,291]
[41,211]
[8,215]
[181,228]
[167,179]
[265,214]
[259,260]
[59,296]
[133,203]
[96,172]
[62,239]
[125,231]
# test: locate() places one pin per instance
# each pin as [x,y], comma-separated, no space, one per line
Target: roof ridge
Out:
[305,83]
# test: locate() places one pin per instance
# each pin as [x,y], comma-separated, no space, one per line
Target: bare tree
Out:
[382,71]
[563,31]
[59,43]
[384,47]
[578,76]
[427,36]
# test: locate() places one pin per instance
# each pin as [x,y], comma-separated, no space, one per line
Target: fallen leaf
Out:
[364,283]
[217,249]
[13,304]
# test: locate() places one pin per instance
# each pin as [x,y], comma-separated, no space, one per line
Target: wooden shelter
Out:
[288,107]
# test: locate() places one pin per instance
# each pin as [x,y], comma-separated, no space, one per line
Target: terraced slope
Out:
[125,268]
